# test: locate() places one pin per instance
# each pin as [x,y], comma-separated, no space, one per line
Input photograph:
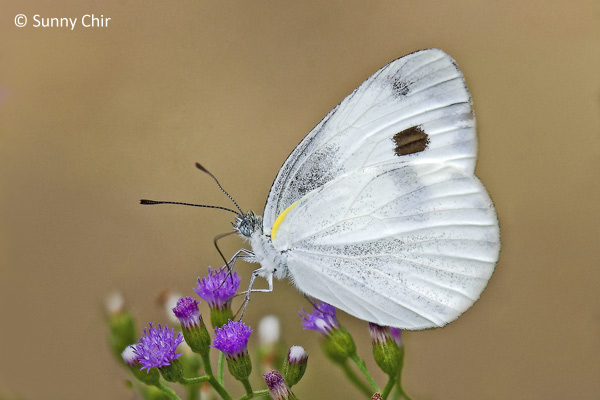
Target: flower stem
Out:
[170,393]
[213,382]
[217,384]
[363,368]
[403,394]
[389,386]
[221,367]
[248,387]
[352,377]
[219,388]
[196,379]
[258,393]
[401,391]
[206,363]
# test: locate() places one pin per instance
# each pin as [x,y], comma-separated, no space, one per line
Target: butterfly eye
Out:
[247,224]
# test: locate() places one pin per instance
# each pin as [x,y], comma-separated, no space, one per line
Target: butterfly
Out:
[378,211]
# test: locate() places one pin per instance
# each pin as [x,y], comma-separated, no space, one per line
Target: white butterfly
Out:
[377,211]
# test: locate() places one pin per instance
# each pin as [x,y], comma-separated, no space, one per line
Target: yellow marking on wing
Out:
[280,219]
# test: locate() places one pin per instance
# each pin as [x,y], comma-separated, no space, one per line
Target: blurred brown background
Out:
[94,119]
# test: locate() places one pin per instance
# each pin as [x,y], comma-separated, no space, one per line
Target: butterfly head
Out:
[246,224]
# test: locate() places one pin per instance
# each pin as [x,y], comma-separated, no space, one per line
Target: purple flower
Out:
[397,335]
[187,312]
[157,347]
[278,389]
[379,334]
[322,318]
[218,288]
[232,339]
[339,344]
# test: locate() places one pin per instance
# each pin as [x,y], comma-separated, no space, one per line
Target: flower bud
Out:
[121,324]
[386,352]
[269,330]
[339,345]
[277,386]
[270,353]
[295,365]
[192,325]
[114,303]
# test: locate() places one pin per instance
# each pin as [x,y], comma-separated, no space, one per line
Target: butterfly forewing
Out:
[416,109]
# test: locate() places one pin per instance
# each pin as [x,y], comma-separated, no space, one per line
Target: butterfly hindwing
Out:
[410,246]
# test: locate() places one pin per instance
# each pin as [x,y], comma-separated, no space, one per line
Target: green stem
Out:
[258,393]
[401,391]
[196,379]
[206,363]
[363,368]
[219,388]
[217,384]
[221,368]
[389,386]
[352,377]
[248,387]
[170,393]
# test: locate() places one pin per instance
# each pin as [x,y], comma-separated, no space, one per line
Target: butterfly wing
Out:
[416,109]
[410,246]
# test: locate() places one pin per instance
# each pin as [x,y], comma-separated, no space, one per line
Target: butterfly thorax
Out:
[273,262]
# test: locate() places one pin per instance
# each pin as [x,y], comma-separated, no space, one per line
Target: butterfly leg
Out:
[241,253]
[255,274]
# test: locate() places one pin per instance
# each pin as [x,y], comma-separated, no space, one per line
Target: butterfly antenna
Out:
[153,202]
[201,168]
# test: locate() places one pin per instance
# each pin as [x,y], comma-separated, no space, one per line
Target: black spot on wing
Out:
[401,87]
[410,141]
[320,169]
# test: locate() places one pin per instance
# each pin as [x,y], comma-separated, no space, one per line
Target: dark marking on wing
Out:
[321,169]
[410,141]
[401,87]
